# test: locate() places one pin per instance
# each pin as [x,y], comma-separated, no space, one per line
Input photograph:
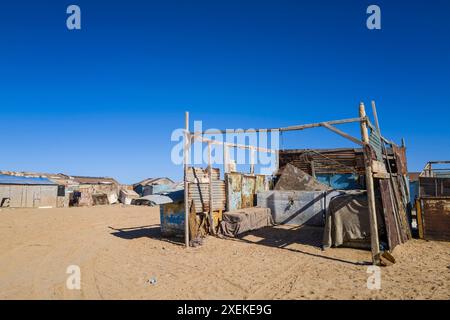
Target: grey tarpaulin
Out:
[347,221]
[239,221]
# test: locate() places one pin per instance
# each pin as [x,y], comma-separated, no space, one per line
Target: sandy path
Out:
[119,249]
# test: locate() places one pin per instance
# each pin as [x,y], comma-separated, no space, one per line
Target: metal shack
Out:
[27,192]
[433,201]
[153,186]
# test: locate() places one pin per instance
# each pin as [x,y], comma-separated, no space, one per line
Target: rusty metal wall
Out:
[242,189]
[343,160]
[234,190]
[248,191]
[434,187]
[436,218]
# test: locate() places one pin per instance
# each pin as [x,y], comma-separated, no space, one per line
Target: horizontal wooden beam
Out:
[232,145]
[290,128]
[342,133]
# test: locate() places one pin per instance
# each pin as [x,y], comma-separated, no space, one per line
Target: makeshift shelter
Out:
[27,192]
[433,201]
[153,186]
[94,190]
[126,196]
[378,167]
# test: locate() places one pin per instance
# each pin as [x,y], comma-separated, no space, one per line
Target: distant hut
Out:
[153,186]
[94,191]
[27,192]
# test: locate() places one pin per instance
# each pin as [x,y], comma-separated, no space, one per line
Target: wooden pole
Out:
[226,158]
[252,161]
[393,196]
[374,241]
[186,147]
[291,128]
[210,181]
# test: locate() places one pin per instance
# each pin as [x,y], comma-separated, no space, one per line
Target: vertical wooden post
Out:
[375,116]
[252,160]
[210,181]
[277,160]
[226,158]
[374,241]
[186,147]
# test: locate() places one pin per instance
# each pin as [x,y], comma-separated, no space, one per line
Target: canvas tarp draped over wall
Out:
[347,221]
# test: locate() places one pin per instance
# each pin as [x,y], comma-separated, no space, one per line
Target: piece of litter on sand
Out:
[152,280]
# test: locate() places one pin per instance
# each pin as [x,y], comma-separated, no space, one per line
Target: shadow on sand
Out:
[150,231]
[276,237]
[282,236]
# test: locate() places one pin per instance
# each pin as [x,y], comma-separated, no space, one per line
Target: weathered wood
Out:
[381,175]
[290,128]
[186,147]
[211,207]
[378,167]
[252,161]
[226,159]
[235,145]
[341,133]
[374,241]
[419,218]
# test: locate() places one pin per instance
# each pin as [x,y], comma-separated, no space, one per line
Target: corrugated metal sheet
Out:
[376,143]
[436,218]
[18,180]
[199,192]
[315,161]
[201,175]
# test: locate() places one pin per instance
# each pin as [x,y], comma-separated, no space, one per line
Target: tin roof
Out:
[94,180]
[7,179]
[151,181]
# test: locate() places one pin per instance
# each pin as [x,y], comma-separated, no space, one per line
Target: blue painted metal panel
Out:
[7,179]
[413,191]
[340,181]
[172,215]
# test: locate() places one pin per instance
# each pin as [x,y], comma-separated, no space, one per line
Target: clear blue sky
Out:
[104,100]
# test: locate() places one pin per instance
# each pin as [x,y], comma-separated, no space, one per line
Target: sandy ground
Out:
[119,249]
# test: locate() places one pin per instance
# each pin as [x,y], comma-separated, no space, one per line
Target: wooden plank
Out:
[186,146]
[419,218]
[378,167]
[341,133]
[382,175]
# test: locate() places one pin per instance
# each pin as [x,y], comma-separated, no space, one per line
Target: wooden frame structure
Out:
[372,168]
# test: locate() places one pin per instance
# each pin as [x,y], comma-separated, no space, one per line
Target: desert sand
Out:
[121,255]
